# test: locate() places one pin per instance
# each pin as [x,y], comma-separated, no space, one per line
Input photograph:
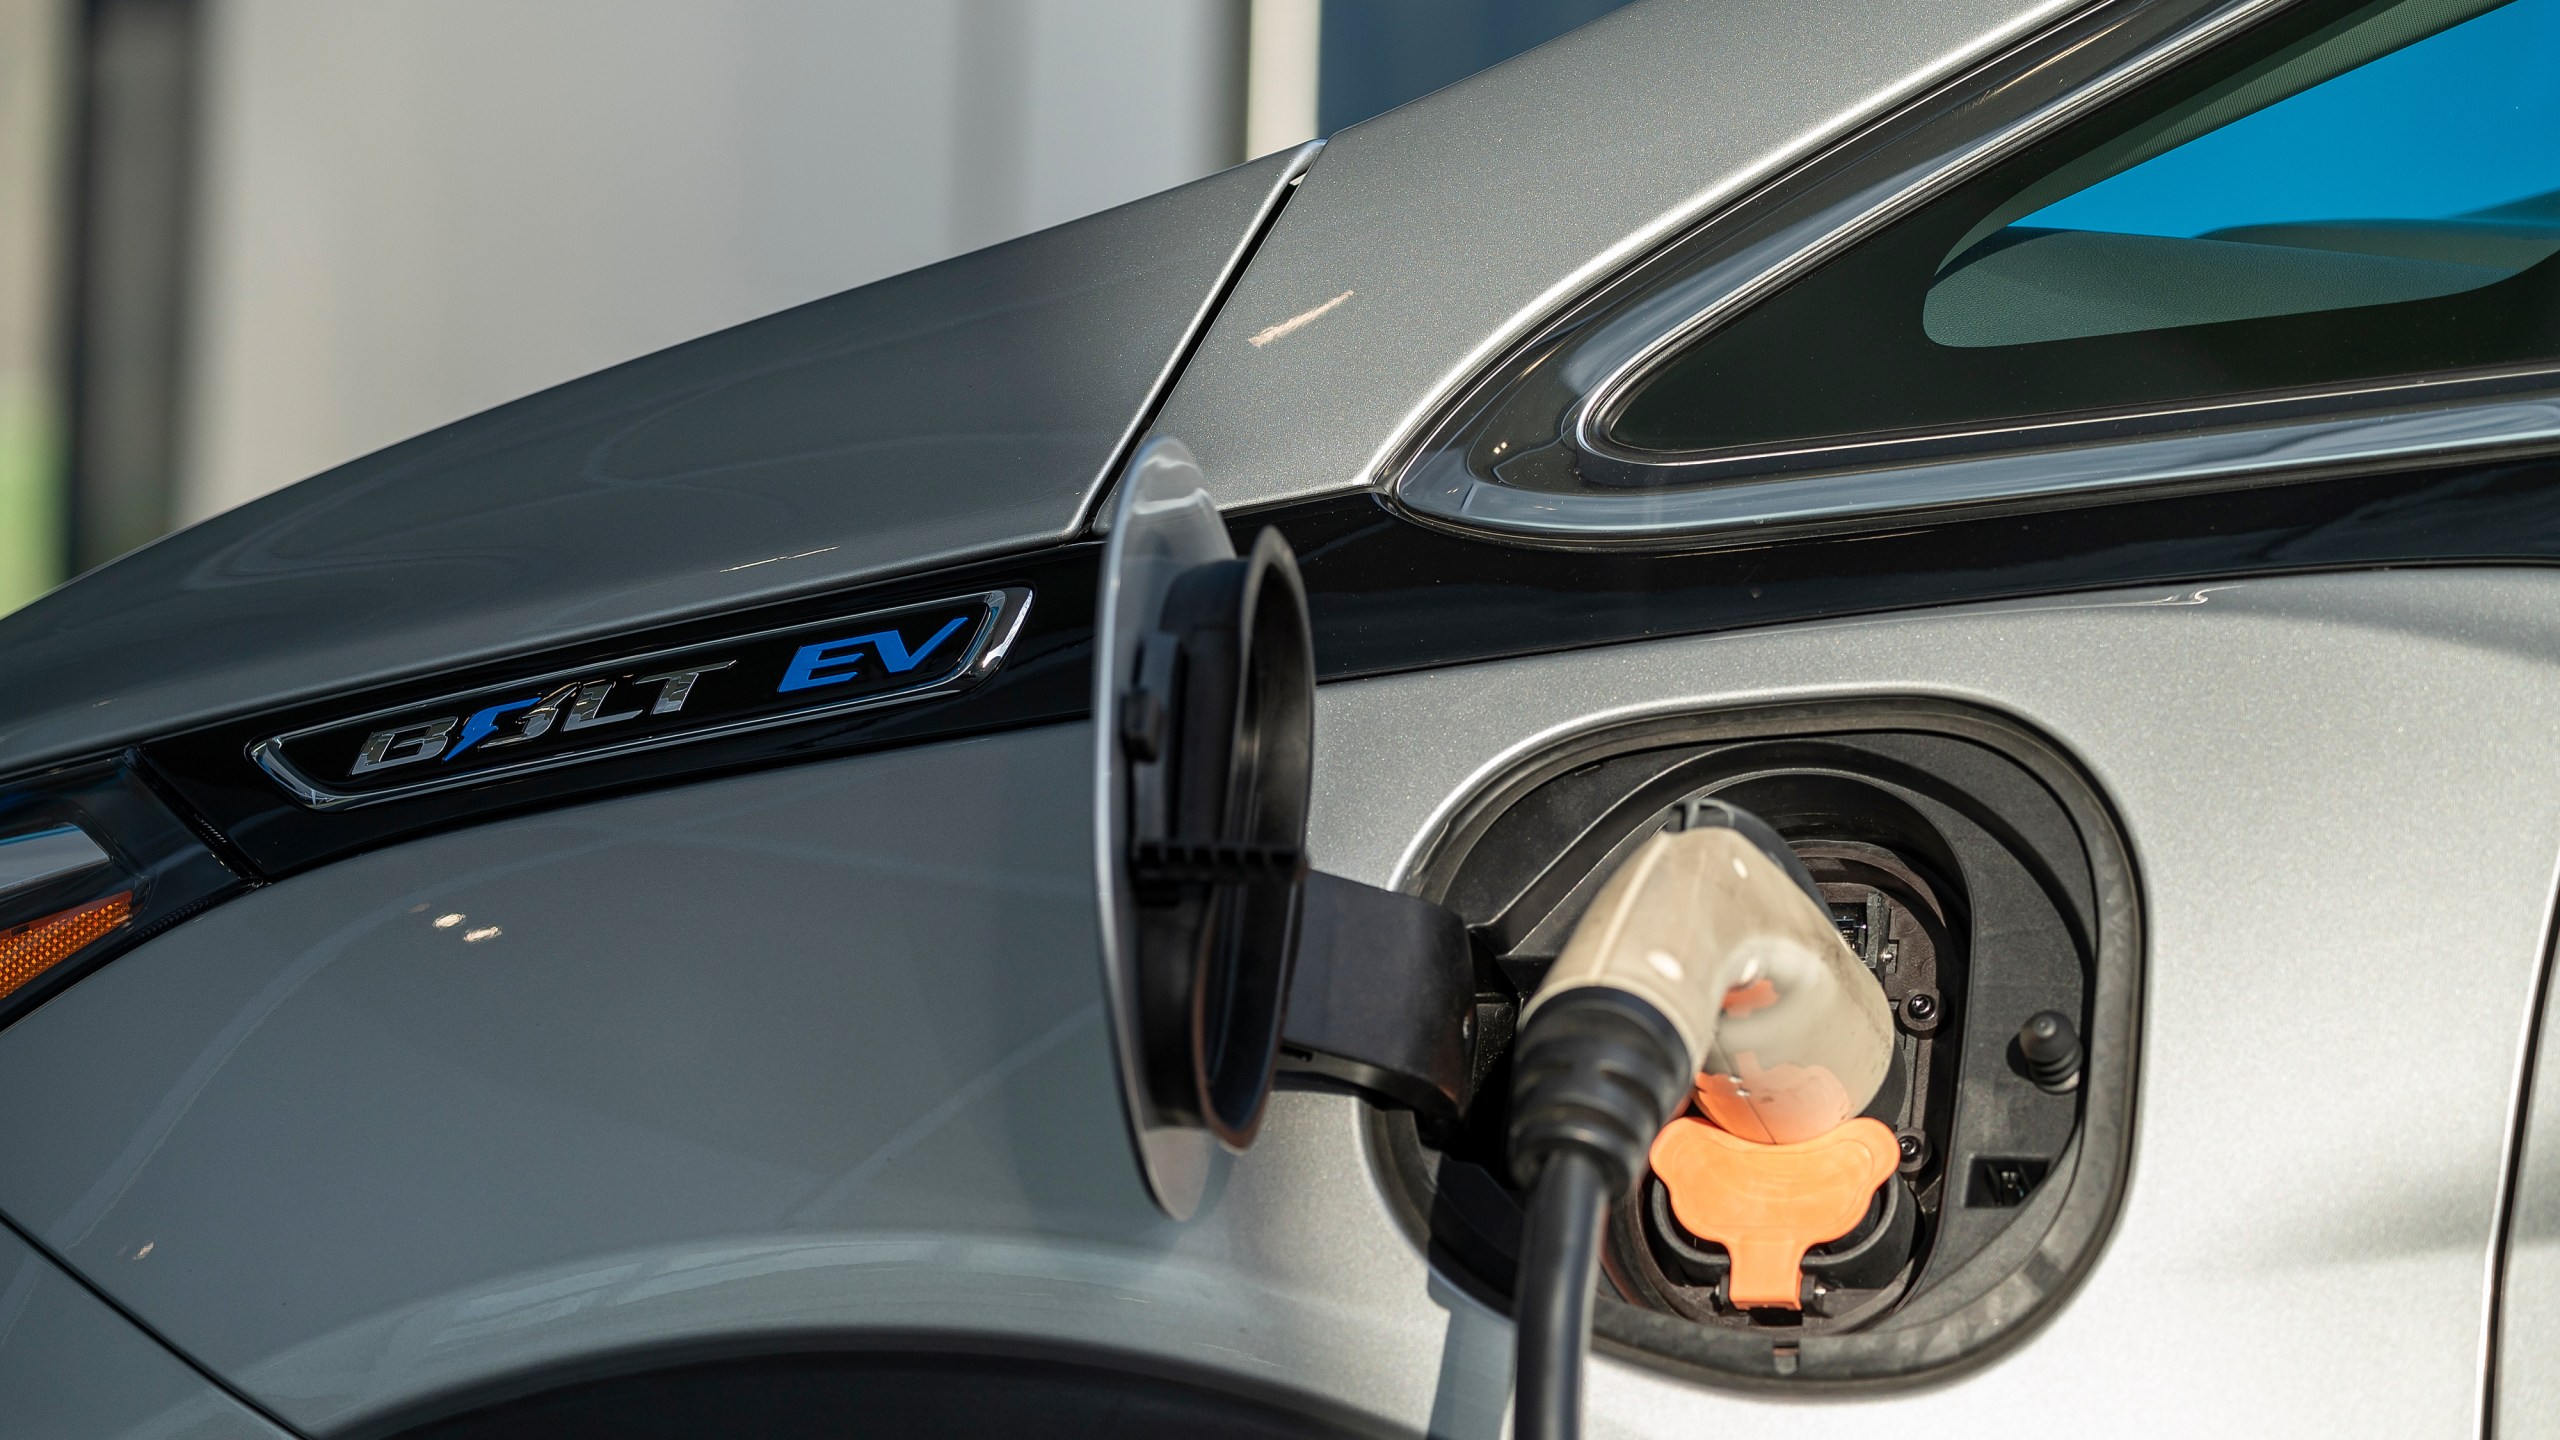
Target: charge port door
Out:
[1226,958]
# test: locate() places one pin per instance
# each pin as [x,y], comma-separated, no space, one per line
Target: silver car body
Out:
[817,1055]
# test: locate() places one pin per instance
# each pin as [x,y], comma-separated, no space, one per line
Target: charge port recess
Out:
[1889,912]
[1963,880]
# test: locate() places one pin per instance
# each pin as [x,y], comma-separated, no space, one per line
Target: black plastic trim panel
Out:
[1388,594]
[1043,679]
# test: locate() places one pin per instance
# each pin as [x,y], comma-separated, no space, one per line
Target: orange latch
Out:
[1768,1204]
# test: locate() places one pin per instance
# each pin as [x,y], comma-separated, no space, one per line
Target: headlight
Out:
[91,861]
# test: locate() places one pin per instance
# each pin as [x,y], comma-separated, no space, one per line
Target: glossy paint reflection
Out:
[960,409]
[71,1368]
[628,1064]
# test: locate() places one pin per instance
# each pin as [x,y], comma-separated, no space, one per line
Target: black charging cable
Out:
[1599,1067]
[1596,1074]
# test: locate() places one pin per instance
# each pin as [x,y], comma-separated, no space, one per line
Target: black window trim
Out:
[1749,493]
[2433,418]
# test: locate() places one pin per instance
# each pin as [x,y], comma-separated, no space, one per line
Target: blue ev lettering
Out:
[832,662]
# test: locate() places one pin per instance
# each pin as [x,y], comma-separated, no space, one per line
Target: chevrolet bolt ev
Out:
[1040,847]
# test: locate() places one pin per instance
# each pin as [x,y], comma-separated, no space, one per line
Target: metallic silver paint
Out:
[667,1061]
[2269,745]
[963,409]
[1162,524]
[381,1164]
[73,1369]
[2527,1366]
[1444,231]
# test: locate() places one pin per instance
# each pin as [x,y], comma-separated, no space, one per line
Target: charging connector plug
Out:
[1709,951]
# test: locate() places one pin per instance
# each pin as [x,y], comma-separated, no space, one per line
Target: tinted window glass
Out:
[2432,170]
[2330,204]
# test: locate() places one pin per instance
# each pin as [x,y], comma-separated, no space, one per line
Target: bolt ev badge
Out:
[664,698]
[428,740]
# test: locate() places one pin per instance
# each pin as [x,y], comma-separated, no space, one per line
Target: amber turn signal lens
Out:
[29,950]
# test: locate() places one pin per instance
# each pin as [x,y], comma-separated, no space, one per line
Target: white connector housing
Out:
[1791,1033]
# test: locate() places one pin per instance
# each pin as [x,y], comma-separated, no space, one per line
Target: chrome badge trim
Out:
[668,696]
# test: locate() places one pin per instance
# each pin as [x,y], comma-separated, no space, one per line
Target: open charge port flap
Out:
[1975,873]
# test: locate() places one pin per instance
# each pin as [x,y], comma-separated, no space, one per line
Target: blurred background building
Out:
[242,241]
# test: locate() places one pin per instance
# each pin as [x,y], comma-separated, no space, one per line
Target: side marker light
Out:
[92,862]
[29,950]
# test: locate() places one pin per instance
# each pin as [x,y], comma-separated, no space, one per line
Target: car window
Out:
[2428,171]
[2378,198]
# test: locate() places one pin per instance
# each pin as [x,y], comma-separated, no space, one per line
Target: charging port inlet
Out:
[1977,878]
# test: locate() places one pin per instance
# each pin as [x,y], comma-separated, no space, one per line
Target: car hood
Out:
[966,408]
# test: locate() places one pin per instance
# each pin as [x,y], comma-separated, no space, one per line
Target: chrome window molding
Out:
[1006,610]
[1741,493]
[1638,344]
[2024,463]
